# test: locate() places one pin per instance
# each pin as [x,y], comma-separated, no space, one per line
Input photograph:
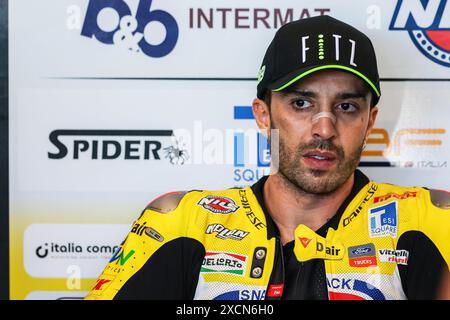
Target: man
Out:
[318,228]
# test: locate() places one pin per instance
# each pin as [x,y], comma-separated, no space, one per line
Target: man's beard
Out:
[317,181]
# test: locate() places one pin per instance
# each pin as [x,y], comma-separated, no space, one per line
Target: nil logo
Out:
[113,22]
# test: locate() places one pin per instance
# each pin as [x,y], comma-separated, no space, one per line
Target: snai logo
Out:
[224,262]
[242,295]
[218,204]
[428,25]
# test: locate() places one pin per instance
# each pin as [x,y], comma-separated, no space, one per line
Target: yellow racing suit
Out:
[384,242]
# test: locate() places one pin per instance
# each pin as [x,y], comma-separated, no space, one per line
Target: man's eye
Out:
[301,104]
[347,107]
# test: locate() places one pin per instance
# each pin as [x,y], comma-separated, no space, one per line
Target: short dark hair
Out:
[267,97]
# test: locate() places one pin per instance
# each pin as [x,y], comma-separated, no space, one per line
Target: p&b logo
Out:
[428,25]
[112,22]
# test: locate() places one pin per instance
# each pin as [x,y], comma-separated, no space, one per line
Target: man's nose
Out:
[324,127]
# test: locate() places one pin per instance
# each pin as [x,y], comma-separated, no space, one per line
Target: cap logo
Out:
[261,73]
[321,48]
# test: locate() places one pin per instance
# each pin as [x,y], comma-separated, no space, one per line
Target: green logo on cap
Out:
[261,73]
[321,45]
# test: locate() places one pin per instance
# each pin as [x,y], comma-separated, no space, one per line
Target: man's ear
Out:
[261,113]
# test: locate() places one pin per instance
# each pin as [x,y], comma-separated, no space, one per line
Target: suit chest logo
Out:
[383,220]
[224,262]
[218,204]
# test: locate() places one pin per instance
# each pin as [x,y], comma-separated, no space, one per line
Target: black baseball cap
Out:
[304,46]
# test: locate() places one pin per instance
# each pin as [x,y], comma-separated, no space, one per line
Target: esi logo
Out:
[428,25]
[383,220]
[112,22]
[245,170]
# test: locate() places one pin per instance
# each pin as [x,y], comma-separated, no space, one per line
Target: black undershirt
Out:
[307,280]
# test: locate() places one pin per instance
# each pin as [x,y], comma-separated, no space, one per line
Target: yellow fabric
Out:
[412,207]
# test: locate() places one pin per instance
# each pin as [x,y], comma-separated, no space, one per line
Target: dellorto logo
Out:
[224,262]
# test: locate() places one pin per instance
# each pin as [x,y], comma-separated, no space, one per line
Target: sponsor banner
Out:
[95,120]
[50,154]
[169,38]
[224,262]
[53,250]
[395,256]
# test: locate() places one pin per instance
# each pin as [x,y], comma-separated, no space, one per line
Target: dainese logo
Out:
[112,22]
[428,25]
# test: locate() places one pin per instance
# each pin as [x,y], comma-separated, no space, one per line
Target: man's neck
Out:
[290,206]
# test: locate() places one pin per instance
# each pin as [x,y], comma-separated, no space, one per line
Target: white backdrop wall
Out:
[113,102]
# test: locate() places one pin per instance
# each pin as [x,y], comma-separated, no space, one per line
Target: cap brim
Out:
[285,82]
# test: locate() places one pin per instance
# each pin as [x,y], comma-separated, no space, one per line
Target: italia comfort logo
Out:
[52,250]
[428,25]
[115,22]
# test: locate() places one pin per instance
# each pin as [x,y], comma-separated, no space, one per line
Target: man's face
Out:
[318,156]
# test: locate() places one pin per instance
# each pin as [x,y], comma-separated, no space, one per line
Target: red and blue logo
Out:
[428,25]
[352,289]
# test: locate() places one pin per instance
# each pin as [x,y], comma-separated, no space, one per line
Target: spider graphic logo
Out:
[177,154]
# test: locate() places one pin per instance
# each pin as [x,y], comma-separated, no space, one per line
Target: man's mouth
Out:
[319,160]
[319,155]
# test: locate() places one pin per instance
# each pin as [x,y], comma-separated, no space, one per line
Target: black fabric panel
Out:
[307,280]
[170,273]
[304,280]
[422,276]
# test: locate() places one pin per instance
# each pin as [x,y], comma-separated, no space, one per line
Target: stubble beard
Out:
[313,181]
